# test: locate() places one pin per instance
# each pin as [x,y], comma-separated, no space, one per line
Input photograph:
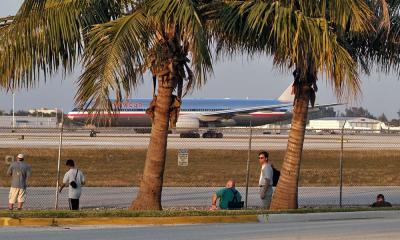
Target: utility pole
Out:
[341,166]
[13,110]
[248,163]
[58,162]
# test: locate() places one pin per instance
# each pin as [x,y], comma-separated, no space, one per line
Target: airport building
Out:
[357,124]
[44,111]
[28,122]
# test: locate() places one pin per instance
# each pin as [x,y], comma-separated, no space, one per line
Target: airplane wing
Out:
[239,111]
[327,105]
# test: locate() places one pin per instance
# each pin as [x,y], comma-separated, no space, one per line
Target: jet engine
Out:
[187,123]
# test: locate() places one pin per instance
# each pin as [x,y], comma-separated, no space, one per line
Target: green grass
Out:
[123,167]
[168,213]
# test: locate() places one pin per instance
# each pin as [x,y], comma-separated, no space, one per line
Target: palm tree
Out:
[309,37]
[119,41]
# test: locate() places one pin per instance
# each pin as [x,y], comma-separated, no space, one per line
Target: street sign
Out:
[183,157]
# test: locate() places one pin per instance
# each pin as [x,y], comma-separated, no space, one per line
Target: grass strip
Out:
[90,213]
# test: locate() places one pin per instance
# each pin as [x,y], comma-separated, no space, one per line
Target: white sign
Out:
[183,157]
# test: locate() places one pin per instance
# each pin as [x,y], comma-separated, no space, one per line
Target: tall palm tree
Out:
[308,37]
[119,41]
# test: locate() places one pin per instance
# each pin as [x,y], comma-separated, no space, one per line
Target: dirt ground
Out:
[123,167]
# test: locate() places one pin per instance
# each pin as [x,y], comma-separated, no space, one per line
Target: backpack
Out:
[235,204]
[276,176]
[73,182]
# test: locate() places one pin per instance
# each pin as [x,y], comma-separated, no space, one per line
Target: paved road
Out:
[367,229]
[230,141]
[190,197]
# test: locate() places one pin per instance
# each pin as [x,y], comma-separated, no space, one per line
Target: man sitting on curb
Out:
[380,202]
[229,197]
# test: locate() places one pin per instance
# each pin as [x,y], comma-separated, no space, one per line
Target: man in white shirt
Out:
[266,179]
[74,179]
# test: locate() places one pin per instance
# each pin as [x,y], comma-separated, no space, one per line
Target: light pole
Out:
[13,110]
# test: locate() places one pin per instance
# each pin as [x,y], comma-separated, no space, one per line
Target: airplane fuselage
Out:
[132,113]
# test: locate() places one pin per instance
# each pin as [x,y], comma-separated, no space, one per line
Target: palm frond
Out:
[46,35]
[114,60]
[293,30]
[351,15]
[380,49]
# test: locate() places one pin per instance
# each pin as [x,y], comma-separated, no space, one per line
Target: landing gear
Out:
[93,133]
[212,134]
[208,134]
[189,135]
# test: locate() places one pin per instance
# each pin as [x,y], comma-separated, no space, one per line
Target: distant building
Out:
[28,122]
[44,111]
[276,128]
[358,124]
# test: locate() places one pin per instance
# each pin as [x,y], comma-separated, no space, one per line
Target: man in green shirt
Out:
[225,195]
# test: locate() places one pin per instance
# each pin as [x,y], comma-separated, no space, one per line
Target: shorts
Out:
[17,195]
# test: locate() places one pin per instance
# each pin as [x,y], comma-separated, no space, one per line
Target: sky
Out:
[236,77]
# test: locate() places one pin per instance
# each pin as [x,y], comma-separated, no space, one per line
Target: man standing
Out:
[74,179]
[19,172]
[229,197]
[266,179]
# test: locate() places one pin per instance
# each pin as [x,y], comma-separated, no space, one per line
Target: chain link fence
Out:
[112,160]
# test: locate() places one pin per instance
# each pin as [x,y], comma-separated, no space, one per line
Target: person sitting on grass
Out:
[229,197]
[380,202]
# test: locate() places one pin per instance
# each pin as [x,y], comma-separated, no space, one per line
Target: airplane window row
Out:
[186,110]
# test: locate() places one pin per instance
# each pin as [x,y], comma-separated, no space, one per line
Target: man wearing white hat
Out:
[19,172]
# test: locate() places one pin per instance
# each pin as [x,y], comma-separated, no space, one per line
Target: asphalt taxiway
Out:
[230,141]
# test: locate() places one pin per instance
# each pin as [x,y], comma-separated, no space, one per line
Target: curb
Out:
[328,216]
[5,221]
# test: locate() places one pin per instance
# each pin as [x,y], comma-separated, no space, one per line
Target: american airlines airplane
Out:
[197,113]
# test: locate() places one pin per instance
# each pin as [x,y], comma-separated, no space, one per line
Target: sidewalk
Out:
[327,216]
[121,197]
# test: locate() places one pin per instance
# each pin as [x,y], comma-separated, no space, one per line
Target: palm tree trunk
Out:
[286,193]
[149,196]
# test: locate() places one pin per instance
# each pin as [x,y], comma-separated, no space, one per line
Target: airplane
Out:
[199,113]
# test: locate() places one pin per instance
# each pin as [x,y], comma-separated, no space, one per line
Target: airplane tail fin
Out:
[287,95]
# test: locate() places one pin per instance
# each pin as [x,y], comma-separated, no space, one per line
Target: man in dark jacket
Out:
[380,202]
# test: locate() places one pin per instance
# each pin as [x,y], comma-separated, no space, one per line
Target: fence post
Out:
[59,160]
[341,166]
[248,163]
